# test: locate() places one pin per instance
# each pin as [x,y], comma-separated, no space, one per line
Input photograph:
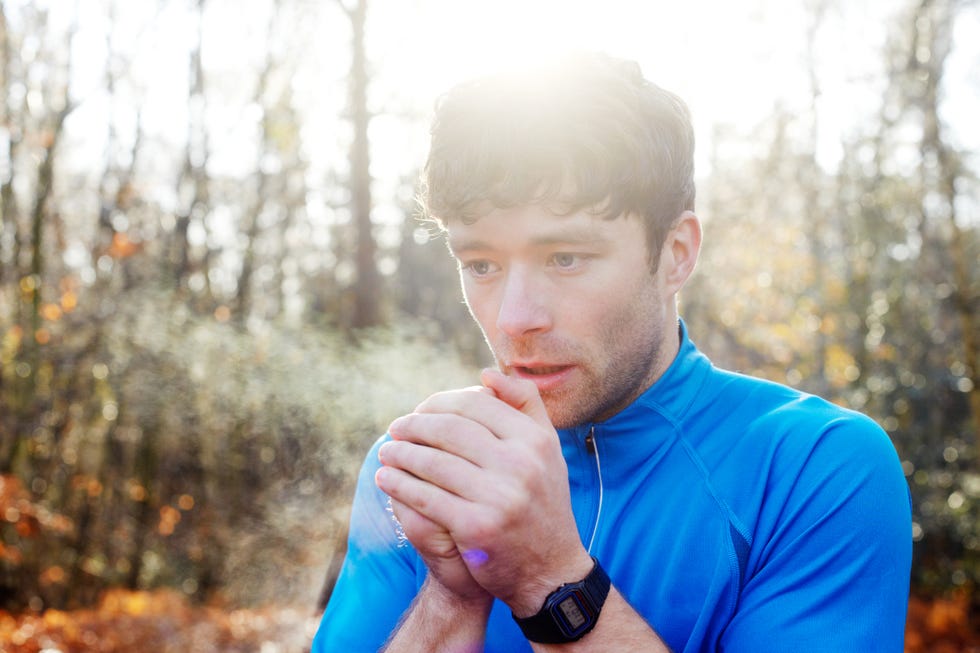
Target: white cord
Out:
[598,467]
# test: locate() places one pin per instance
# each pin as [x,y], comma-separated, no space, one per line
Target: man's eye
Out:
[479,268]
[565,260]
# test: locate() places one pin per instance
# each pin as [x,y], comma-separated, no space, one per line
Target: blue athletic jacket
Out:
[733,513]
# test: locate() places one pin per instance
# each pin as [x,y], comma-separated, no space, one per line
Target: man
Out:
[607,488]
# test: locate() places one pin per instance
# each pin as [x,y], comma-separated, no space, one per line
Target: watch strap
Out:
[570,611]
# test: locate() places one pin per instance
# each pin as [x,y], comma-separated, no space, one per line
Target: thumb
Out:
[518,393]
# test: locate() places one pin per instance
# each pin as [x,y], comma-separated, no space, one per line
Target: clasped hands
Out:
[478,482]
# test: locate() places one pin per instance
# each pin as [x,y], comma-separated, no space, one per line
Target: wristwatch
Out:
[570,611]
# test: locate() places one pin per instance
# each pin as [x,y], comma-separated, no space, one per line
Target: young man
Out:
[607,488]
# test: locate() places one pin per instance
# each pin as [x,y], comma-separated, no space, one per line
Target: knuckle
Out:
[427,465]
[544,445]
[392,453]
[485,525]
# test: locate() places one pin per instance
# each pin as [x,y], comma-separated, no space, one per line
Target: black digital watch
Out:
[570,611]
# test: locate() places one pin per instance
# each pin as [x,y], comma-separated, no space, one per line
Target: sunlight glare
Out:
[471,38]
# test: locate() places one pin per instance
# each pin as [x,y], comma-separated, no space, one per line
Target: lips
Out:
[539,370]
[548,377]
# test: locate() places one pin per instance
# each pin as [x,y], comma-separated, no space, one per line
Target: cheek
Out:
[633,320]
[481,306]
[583,316]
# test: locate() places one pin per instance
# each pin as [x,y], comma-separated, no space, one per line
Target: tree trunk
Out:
[367,288]
[9,225]
[193,181]
[934,24]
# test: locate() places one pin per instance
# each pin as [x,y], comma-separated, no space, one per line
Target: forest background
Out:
[214,294]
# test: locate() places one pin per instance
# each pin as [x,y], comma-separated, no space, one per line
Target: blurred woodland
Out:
[203,329]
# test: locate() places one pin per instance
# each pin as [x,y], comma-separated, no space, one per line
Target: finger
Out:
[413,523]
[479,389]
[446,471]
[453,433]
[432,502]
[424,534]
[522,394]
[498,417]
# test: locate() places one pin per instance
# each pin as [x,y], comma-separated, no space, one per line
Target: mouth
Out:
[538,370]
[544,375]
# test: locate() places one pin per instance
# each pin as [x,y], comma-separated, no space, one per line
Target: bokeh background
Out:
[214,294]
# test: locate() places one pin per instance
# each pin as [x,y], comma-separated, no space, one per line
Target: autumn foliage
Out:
[164,621]
[184,403]
[26,518]
[941,625]
[161,621]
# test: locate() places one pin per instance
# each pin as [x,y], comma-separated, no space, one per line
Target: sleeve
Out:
[830,563]
[377,581]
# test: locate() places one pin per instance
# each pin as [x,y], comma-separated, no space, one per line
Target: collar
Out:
[670,396]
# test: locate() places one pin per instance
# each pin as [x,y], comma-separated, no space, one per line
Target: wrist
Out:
[531,598]
[442,620]
[570,612]
[448,601]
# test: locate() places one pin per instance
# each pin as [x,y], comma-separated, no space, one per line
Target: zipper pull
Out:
[590,441]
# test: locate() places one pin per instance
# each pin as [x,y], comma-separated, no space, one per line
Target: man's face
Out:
[569,302]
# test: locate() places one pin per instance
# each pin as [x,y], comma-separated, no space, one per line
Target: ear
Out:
[680,253]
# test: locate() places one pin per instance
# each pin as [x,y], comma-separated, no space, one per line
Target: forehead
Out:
[536,225]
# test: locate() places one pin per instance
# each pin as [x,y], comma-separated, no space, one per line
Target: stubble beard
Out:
[604,387]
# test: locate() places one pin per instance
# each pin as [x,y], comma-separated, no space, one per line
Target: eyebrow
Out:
[572,237]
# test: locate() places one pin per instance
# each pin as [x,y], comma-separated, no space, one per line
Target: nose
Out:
[523,305]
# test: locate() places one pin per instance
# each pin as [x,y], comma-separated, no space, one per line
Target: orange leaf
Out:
[122,246]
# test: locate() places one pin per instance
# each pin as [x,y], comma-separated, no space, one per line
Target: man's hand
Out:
[480,479]
[433,542]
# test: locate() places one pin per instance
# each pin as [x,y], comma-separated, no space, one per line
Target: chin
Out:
[563,418]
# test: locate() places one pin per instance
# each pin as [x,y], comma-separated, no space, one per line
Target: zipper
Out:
[593,451]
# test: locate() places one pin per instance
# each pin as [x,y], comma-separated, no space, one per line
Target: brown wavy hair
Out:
[585,132]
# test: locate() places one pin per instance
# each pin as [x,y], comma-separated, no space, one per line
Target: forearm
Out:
[439,621]
[620,628]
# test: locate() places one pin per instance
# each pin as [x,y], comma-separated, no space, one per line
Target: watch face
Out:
[574,612]
[573,615]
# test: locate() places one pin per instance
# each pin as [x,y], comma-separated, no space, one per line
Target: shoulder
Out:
[765,444]
[762,411]
[372,523]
